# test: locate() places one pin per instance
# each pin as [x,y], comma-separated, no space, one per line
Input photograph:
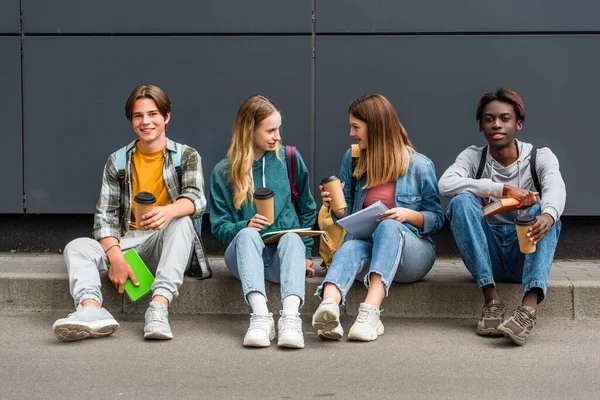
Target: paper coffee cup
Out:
[144,203]
[523,222]
[265,205]
[333,185]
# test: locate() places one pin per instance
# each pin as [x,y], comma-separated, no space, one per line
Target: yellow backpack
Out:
[334,234]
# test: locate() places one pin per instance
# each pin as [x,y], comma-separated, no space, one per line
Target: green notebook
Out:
[142,274]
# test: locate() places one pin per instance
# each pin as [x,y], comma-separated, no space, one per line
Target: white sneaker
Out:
[85,322]
[367,326]
[290,331]
[326,320]
[261,331]
[157,322]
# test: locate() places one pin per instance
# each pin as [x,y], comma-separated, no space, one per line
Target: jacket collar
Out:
[171,146]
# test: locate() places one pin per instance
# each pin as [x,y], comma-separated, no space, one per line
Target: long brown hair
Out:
[241,152]
[389,150]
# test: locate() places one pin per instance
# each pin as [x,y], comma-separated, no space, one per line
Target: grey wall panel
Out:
[435,82]
[175,16]
[10,16]
[456,16]
[11,200]
[76,87]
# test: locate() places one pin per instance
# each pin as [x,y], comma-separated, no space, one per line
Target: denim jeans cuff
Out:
[481,282]
[367,281]
[164,293]
[252,289]
[319,291]
[535,284]
[91,295]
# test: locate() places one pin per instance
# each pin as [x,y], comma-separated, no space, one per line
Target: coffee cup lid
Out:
[145,198]
[329,179]
[263,194]
[525,219]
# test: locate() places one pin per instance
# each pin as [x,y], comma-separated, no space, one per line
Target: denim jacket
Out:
[417,190]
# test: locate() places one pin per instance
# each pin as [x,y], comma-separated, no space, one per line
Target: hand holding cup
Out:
[332,192]
[258,222]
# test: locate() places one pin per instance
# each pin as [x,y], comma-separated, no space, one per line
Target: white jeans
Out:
[167,253]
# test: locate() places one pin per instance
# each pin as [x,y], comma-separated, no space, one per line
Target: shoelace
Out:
[157,315]
[493,311]
[260,322]
[365,316]
[522,318]
[291,322]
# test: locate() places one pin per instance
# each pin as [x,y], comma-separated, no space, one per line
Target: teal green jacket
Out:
[226,221]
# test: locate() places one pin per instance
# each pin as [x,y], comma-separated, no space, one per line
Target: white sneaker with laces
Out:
[367,326]
[85,322]
[326,320]
[261,331]
[290,331]
[157,322]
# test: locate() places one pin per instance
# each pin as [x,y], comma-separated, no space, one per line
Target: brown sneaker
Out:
[518,327]
[492,315]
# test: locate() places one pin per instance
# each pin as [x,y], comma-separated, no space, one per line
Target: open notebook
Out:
[273,237]
[362,224]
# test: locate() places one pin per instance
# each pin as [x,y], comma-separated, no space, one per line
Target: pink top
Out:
[384,192]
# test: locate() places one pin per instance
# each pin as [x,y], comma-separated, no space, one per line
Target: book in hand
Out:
[362,224]
[501,206]
[142,274]
[273,237]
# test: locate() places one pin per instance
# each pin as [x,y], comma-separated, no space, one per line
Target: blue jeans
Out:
[395,253]
[252,262]
[491,252]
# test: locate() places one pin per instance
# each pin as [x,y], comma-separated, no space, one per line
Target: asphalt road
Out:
[206,360]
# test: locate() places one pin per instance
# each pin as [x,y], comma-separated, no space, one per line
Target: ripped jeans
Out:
[395,253]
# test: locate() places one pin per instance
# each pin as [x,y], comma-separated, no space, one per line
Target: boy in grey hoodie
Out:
[489,245]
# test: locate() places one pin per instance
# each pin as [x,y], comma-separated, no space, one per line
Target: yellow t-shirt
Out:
[147,176]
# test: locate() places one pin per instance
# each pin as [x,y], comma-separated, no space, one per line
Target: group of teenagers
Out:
[389,169]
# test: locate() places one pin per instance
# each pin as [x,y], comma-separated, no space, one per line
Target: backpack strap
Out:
[176,158]
[481,163]
[534,175]
[121,161]
[355,155]
[292,167]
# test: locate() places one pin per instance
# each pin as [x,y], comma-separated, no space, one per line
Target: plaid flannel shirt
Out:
[113,210]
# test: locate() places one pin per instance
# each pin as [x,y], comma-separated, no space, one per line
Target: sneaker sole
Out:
[290,344]
[73,332]
[252,343]
[511,335]
[357,337]
[326,321]
[329,335]
[489,332]
[256,343]
[158,335]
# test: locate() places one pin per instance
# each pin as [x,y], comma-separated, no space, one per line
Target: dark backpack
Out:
[292,167]
[532,158]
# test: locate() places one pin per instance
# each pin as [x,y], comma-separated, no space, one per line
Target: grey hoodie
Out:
[460,178]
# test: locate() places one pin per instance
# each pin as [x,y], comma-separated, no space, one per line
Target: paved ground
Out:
[413,359]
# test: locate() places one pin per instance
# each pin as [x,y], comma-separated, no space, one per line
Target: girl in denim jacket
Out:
[400,249]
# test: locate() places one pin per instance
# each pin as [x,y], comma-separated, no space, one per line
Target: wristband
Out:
[111,246]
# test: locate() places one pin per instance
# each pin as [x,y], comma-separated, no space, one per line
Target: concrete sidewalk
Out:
[33,282]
